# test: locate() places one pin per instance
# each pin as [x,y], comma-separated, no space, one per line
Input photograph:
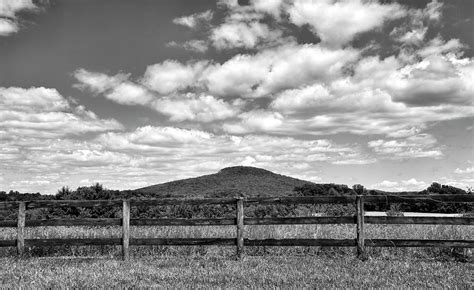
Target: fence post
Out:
[20,235]
[361,254]
[125,229]
[240,227]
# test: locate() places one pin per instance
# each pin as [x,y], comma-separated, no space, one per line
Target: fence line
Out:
[359,219]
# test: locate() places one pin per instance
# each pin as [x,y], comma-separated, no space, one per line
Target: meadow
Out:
[214,266]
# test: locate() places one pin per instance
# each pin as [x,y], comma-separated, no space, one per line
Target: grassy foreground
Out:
[214,271]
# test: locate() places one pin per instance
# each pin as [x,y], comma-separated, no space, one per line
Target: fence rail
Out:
[359,219]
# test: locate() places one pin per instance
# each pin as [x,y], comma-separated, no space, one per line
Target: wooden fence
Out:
[359,219]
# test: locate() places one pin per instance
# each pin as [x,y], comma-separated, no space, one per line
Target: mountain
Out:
[228,182]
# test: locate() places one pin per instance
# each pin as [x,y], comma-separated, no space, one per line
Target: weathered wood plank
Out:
[20,237]
[361,254]
[72,203]
[182,222]
[432,198]
[419,220]
[301,199]
[7,243]
[8,224]
[125,230]
[302,242]
[72,242]
[240,227]
[182,242]
[6,205]
[181,201]
[75,222]
[301,220]
[419,243]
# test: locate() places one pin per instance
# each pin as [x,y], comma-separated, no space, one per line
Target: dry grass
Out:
[252,232]
[210,271]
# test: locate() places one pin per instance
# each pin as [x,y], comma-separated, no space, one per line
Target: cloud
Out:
[44,113]
[244,35]
[171,76]
[416,25]
[403,185]
[267,72]
[417,146]
[193,20]
[195,45]
[203,108]
[463,171]
[338,22]
[8,14]
[185,146]
[255,121]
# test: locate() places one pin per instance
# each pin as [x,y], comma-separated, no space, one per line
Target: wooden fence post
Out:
[361,254]
[125,229]
[20,236]
[240,227]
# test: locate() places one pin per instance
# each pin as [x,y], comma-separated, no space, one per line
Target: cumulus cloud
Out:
[417,146]
[338,22]
[193,20]
[42,112]
[9,22]
[244,35]
[171,76]
[204,108]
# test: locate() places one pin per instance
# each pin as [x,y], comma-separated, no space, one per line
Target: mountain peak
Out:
[245,170]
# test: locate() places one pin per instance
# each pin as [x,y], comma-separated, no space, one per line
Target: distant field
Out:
[207,271]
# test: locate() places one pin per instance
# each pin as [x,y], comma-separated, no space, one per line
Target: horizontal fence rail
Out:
[359,219]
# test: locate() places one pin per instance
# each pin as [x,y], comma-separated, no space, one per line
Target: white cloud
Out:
[417,146]
[204,108]
[8,14]
[338,22]
[194,20]
[244,35]
[171,76]
[255,121]
[403,185]
[98,82]
[268,71]
[463,171]
[44,113]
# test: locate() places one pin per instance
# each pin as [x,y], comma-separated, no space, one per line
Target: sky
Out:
[135,93]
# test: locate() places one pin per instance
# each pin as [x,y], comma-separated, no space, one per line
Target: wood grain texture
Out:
[7,243]
[8,224]
[240,227]
[75,222]
[182,222]
[300,220]
[301,199]
[126,230]
[361,253]
[420,220]
[302,242]
[20,236]
[72,242]
[420,243]
[183,242]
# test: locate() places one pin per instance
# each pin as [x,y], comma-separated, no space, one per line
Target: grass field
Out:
[217,271]
[213,266]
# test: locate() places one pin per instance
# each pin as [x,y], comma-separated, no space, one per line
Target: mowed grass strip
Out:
[214,271]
